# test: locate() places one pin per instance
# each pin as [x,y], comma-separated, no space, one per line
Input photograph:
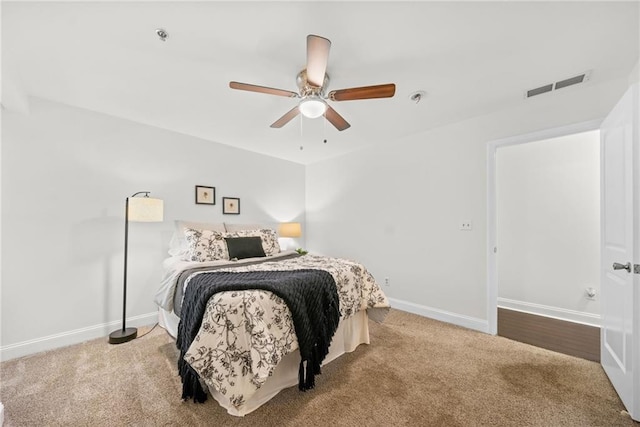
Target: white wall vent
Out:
[558,85]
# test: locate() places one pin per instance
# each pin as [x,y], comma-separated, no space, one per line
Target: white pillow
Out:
[205,245]
[268,237]
[178,244]
[232,228]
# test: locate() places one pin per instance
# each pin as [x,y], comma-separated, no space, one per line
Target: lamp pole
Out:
[126,252]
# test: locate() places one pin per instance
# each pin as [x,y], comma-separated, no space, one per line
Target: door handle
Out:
[618,266]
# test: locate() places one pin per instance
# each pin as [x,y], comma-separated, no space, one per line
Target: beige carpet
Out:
[415,372]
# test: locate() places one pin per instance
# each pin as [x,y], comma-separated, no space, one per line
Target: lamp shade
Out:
[290,229]
[145,209]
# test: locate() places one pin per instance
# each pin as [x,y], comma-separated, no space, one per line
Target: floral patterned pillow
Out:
[205,245]
[269,239]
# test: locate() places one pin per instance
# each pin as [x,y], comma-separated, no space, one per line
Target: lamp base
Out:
[121,336]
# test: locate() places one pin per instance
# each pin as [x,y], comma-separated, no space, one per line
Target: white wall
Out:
[548,226]
[65,175]
[634,76]
[397,207]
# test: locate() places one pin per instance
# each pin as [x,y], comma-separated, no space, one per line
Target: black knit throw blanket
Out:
[311,296]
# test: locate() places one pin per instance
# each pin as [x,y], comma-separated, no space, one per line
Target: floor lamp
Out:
[137,209]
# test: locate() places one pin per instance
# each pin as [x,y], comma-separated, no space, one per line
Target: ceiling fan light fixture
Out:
[312,107]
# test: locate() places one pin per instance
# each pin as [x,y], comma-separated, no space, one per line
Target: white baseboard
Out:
[442,315]
[75,336]
[553,312]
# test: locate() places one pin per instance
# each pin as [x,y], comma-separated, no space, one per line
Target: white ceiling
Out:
[471,58]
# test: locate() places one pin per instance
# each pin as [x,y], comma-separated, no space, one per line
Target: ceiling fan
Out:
[312,83]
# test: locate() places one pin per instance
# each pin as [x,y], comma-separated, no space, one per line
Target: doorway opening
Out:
[544,239]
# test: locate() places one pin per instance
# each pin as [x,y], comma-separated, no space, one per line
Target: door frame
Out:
[492,148]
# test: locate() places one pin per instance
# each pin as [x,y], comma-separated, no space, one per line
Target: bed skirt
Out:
[350,334]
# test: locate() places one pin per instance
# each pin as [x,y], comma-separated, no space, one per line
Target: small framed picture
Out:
[205,195]
[231,205]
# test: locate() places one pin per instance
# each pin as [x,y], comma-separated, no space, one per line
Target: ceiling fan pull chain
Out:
[301,134]
[324,129]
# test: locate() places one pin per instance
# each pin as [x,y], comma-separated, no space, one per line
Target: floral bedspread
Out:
[245,334]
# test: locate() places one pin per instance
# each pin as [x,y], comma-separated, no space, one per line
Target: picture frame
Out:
[205,195]
[231,205]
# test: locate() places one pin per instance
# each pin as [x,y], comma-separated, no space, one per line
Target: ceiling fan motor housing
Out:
[307,89]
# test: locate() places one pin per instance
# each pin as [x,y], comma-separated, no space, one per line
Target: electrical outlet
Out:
[466,225]
[386,281]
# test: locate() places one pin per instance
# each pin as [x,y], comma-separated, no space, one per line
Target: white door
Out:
[620,333]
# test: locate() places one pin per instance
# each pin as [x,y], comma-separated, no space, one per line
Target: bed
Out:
[245,349]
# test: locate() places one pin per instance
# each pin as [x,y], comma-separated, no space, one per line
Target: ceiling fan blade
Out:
[364,92]
[262,89]
[286,118]
[336,119]
[317,58]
